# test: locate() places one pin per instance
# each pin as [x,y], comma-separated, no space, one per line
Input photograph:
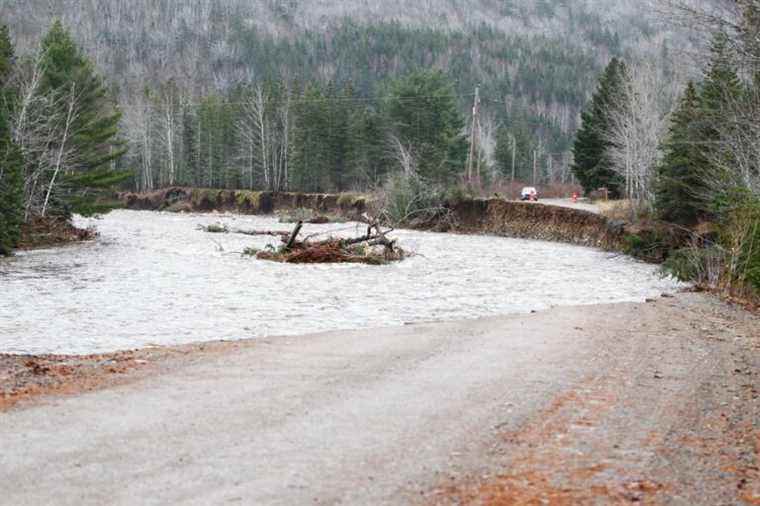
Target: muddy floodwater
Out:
[154,279]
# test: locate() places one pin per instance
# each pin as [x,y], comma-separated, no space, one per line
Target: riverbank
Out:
[648,403]
[495,216]
[51,232]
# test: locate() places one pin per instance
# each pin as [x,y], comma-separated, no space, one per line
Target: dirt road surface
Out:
[632,403]
[582,205]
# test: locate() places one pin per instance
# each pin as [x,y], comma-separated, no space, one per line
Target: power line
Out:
[271,101]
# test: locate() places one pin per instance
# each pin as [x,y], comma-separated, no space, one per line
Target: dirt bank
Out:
[51,232]
[536,221]
[178,199]
[485,216]
[653,403]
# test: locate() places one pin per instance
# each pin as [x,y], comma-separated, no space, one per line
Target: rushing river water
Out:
[154,279]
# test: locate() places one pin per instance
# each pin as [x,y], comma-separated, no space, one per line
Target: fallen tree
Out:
[218,228]
[373,248]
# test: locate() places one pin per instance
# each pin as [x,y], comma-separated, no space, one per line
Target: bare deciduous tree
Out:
[42,126]
[638,121]
[264,131]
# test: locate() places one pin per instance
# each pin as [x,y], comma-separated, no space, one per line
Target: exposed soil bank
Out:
[628,403]
[535,221]
[486,216]
[180,199]
[51,232]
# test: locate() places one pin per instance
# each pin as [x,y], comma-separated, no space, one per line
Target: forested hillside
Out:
[207,86]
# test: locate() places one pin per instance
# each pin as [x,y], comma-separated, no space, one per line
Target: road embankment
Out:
[476,216]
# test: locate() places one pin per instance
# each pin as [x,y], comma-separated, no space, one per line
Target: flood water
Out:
[154,279]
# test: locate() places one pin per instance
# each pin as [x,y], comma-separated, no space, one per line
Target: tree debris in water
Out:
[373,248]
[219,228]
[309,216]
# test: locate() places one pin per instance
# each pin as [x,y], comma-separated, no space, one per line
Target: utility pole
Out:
[535,166]
[514,154]
[550,168]
[473,159]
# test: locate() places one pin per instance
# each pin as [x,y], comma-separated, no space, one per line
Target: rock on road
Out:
[586,405]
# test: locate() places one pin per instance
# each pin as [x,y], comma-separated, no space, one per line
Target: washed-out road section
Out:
[587,405]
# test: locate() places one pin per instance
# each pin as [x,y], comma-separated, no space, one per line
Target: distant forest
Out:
[295,94]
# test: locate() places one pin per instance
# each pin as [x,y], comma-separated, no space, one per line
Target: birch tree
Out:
[264,131]
[637,123]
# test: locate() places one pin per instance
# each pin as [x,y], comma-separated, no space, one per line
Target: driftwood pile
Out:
[373,248]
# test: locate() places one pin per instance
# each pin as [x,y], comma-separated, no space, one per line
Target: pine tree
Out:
[367,153]
[678,175]
[11,162]
[93,144]
[695,159]
[11,188]
[311,141]
[503,152]
[720,92]
[422,110]
[592,166]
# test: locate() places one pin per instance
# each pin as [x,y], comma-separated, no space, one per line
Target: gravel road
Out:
[582,205]
[578,405]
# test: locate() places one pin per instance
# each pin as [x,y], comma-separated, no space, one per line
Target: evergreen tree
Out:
[503,152]
[517,136]
[11,163]
[592,166]
[694,158]
[720,93]
[678,175]
[11,188]
[422,111]
[368,155]
[93,144]
[310,169]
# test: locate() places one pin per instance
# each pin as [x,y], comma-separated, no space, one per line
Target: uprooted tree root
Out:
[334,251]
[374,248]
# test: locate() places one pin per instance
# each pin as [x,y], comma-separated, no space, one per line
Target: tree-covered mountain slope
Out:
[536,61]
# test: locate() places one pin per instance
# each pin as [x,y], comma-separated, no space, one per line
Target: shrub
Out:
[650,245]
[740,236]
[346,200]
[406,198]
[248,200]
[702,265]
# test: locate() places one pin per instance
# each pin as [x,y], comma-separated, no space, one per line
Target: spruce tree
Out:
[423,112]
[503,152]
[69,75]
[720,92]
[679,173]
[310,167]
[11,163]
[592,166]
[367,152]
[694,159]
[11,188]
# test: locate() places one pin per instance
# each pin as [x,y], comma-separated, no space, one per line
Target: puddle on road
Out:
[154,279]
